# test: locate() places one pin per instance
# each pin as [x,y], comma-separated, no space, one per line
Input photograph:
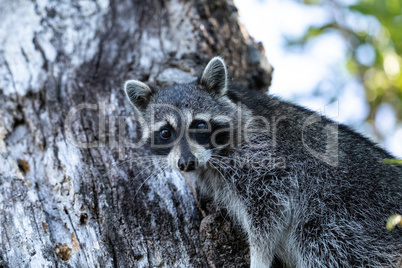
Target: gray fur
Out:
[321,200]
[138,94]
[214,78]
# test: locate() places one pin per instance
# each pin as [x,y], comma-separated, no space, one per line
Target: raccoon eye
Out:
[165,134]
[202,125]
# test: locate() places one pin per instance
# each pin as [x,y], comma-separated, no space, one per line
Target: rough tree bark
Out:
[102,206]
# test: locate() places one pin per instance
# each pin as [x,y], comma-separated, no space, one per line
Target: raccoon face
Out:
[187,123]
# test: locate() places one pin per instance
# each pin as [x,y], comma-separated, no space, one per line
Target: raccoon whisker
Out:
[159,162]
[132,160]
[145,168]
[163,166]
[124,162]
[224,165]
[235,160]
[224,169]
[220,164]
[219,157]
[217,166]
[146,179]
[224,158]
[142,184]
[216,154]
[115,165]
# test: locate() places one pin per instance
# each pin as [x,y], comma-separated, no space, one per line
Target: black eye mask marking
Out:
[221,133]
[163,140]
[209,134]
[200,132]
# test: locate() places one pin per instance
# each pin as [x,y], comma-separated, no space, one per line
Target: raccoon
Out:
[305,190]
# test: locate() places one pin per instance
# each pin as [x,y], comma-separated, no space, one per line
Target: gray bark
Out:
[107,205]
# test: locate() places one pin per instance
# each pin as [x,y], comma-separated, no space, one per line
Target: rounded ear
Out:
[214,78]
[138,93]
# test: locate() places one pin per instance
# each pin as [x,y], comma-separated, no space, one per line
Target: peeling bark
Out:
[107,205]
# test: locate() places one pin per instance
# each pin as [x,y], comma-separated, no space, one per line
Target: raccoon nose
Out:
[187,164]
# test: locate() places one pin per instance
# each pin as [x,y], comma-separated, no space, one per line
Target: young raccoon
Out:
[305,189]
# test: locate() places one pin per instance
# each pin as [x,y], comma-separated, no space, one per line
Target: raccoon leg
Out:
[260,258]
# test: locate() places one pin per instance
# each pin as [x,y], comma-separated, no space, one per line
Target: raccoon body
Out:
[306,190]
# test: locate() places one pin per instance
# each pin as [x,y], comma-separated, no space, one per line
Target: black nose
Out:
[187,164]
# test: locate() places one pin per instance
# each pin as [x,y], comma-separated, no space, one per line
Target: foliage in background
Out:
[393,221]
[373,32]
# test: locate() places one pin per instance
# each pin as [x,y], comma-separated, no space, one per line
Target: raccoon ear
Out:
[138,93]
[214,78]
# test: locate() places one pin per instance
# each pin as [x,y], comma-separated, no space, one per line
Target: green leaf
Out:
[392,161]
[393,221]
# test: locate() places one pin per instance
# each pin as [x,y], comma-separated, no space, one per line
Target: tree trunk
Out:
[72,192]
